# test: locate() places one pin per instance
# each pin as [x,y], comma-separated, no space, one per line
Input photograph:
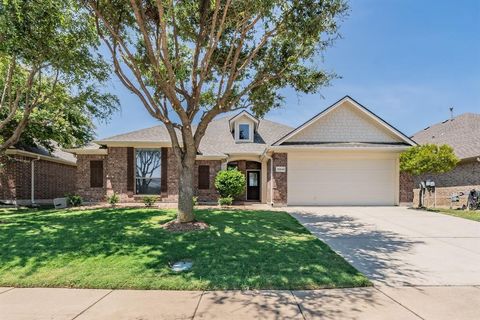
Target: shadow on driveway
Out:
[378,254]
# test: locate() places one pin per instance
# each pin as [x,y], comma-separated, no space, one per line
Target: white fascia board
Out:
[316,148]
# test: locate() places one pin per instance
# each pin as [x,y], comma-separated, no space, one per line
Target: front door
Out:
[253,185]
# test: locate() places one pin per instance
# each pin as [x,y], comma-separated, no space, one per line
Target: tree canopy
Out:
[50,74]
[428,158]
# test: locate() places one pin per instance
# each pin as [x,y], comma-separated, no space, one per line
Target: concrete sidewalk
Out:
[462,302]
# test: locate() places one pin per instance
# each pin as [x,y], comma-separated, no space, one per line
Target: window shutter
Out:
[164,169]
[96,173]
[203,177]
[130,169]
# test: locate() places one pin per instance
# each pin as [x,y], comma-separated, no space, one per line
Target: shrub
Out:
[74,200]
[195,201]
[149,200]
[113,199]
[226,201]
[230,183]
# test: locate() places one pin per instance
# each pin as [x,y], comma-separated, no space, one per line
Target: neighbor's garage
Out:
[342,178]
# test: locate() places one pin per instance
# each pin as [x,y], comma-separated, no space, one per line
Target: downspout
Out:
[32,186]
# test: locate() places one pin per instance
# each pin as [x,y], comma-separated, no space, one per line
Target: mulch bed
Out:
[175,226]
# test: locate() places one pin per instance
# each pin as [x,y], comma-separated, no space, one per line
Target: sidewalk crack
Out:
[90,306]
[400,304]
[8,290]
[198,304]
[298,305]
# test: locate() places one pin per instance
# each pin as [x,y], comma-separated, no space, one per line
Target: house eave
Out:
[211,157]
[17,152]
[317,148]
[134,144]
[87,151]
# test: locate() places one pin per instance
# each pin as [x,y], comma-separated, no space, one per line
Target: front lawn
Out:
[466,214]
[127,248]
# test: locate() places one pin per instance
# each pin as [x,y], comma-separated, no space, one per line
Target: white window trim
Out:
[143,178]
[237,132]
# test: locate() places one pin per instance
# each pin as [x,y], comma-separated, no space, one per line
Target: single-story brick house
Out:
[462,133]
[345,155]
[35,175]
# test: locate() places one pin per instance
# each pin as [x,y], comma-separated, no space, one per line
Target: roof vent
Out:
[426,128]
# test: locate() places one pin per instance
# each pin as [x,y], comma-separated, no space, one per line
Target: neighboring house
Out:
[462,133]
[33,174]
[345,155]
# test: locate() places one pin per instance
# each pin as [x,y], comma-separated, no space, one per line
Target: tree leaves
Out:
[428,158]
[54,92]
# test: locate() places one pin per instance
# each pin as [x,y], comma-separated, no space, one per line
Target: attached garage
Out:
[342,178]
[345,155]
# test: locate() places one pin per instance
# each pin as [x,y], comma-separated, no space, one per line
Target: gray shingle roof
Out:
[462,133]
[218,139]
[57,152]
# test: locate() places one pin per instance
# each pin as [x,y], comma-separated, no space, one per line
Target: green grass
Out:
[466,214]
[126,248]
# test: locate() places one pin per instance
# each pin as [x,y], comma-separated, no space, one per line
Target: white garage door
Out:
[344,179]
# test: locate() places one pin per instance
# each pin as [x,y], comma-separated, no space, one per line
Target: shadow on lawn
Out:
[241,250]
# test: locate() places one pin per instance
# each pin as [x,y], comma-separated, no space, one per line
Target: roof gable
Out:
[242,115]
[345,121]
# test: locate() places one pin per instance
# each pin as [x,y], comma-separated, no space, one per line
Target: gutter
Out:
[317,148]
[39,156]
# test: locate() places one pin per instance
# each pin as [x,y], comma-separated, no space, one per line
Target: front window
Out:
[243,131]
[147,171]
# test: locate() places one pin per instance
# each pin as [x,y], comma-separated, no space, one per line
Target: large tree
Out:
[188,61]
[49,74]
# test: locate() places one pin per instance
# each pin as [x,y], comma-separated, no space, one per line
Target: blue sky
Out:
[406,60]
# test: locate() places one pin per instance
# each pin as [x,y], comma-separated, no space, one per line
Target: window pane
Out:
[253,179]
[147,163]
[148,186]
[244,132]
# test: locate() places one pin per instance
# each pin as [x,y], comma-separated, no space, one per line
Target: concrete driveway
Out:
[397,246]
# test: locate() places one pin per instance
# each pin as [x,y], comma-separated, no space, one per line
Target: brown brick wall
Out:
[406,187]
[115,178]
[7,180]
[443,196]
[280,179]
[463,178]
[211,194]
[83,179]
[52,180]
[115,168]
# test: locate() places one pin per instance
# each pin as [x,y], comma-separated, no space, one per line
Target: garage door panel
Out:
[319,180]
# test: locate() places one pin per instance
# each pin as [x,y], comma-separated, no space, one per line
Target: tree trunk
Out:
[185,189]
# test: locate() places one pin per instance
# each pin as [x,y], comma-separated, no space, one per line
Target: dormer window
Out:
[243,127]
[244,131]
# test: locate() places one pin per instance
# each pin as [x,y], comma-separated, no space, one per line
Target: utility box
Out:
[60,203]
